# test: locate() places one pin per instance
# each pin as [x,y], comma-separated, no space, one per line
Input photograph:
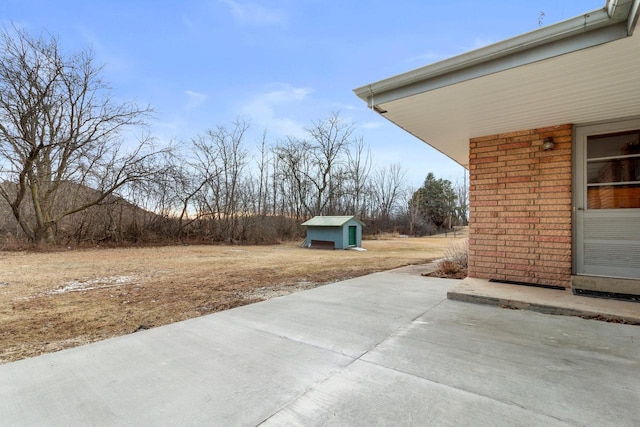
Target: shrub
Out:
[456,260]
[448,267]
[458,253]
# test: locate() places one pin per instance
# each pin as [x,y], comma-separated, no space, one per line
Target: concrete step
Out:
[550,301]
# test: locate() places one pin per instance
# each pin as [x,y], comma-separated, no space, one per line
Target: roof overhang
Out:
[580,70]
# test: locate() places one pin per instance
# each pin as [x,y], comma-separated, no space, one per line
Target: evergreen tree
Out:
[436,200]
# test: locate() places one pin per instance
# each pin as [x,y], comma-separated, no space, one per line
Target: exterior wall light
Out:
[548,144]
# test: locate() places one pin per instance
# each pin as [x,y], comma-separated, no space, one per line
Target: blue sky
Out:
[279,64]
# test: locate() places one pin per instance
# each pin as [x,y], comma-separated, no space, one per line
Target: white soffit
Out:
[596,83]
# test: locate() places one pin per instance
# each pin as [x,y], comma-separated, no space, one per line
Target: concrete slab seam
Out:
[508,403]
[310,388]
[354,360]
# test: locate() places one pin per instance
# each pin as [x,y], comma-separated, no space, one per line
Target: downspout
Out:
[633,17]
[618,7]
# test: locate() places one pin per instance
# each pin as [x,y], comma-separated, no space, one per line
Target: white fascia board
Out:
[633,17]
[455,70]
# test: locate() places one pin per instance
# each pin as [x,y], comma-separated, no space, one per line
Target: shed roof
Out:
[330,221]
[581,70]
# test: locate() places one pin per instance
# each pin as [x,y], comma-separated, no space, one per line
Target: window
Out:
[613,170]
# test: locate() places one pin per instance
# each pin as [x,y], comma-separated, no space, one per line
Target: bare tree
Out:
[59,125]
[330,138]
[263,179]
[359,162]
[414,213]
[171,194]
[220,164]
[294,177]
[387,187]
[461,189]
[313,172]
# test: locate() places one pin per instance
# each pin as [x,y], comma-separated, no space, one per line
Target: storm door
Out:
[607,200]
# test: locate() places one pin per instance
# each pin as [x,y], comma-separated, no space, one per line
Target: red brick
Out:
[511,157]
[514,166]
[486,203]
[511,179]
[527,220]
[514,145]
[554,189]
[552,131]
[554,239]
[483,160]
[521,206]
[488,166]
[514,134]
[489,138]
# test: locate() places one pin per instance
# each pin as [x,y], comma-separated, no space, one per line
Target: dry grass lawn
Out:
[55,300]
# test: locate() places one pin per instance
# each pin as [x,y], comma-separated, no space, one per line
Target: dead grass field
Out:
[51,301]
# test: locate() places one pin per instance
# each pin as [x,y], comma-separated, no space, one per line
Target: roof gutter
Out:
[588,22]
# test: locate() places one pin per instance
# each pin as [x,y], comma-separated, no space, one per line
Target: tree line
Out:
[72,171]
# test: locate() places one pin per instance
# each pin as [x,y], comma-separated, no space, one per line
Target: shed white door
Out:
[607,200]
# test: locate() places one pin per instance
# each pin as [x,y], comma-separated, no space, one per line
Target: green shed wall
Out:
[339,235]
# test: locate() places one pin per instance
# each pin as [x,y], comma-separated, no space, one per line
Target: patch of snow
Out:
[268,292]
[355,248]
[97,283]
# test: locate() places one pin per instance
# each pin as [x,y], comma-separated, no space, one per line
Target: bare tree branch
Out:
[59,125]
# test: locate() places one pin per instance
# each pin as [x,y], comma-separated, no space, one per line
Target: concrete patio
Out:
[384,349]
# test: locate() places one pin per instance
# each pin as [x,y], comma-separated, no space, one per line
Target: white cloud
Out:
[114,61]
[255,14]
[195,99]
[274,108]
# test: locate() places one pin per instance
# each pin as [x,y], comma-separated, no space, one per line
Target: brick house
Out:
[548,125]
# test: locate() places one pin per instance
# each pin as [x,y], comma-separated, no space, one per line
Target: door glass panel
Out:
[613,197]
[613,171]
[618,170]
[613,144]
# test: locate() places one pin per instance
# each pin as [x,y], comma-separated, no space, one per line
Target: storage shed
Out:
[333,232]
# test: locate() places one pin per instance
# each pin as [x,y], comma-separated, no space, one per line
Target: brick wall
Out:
[520,207]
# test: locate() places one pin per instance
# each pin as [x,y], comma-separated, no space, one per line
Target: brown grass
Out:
[50,301]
